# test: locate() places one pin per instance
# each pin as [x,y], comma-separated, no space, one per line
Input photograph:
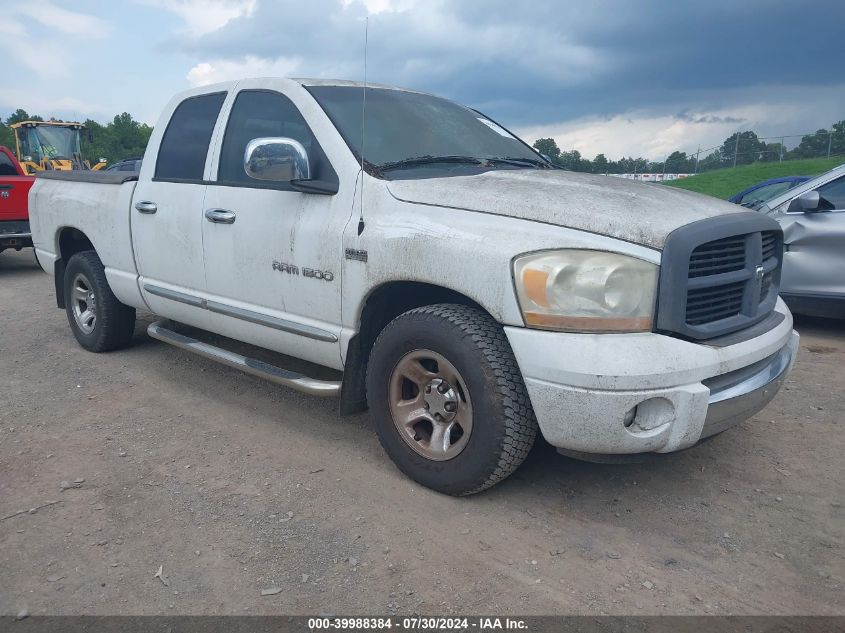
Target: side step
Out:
[244,363]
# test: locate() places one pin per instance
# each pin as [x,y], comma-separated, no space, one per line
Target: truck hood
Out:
[636,212]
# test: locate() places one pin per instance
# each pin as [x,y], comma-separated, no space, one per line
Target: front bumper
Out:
[15,234]
[640,393]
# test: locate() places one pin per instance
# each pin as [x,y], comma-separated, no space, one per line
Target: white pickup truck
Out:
[428,265]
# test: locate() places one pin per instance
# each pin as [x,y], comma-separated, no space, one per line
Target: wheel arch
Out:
[69,241]
[383,304]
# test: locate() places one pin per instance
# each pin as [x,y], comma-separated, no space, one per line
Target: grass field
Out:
[723,183]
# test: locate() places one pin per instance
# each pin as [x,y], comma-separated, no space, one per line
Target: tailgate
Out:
[14,192]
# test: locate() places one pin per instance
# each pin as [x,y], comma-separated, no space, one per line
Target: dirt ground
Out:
[230,486]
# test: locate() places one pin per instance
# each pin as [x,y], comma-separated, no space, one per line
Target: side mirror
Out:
[809,201]
[279,159]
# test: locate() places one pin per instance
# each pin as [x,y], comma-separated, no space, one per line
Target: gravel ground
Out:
[230,486]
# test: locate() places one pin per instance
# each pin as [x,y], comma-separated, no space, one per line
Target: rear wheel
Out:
[449,401]
[98,320]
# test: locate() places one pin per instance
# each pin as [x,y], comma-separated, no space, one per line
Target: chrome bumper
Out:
[15,233]
[738,395]
[15,240]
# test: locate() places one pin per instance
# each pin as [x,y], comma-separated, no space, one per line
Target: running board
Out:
[252,366]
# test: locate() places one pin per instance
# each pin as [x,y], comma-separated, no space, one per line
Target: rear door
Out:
[167,209]
[814,244]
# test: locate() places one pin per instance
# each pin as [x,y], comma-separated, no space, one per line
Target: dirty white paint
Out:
[640,213]
[582,385]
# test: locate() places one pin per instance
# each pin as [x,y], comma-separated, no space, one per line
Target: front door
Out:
[167,209]
[273,255]
[814,245]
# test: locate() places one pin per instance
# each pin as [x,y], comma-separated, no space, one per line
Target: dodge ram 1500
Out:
[431,267]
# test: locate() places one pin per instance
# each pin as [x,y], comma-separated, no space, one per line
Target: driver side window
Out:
[265,114]
[834,193]
[7,168]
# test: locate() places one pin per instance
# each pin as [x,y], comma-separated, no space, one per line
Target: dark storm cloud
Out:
[537,62]
[708,118]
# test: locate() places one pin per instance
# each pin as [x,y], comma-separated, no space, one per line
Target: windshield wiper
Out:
[427,160]
[522,162]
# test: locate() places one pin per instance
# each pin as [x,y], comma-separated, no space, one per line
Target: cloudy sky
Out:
[620,77]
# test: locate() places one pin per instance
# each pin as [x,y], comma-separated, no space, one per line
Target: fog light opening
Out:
[649,417]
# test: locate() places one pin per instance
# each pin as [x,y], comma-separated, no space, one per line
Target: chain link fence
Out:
[745,148]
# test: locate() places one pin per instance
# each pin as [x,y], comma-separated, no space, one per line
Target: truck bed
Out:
[80,205]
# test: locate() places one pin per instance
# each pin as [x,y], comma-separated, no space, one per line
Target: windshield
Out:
[48,141]
[402,127]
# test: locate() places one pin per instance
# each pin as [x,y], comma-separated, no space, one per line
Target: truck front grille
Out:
[719,275]
[705,305]
[719,256]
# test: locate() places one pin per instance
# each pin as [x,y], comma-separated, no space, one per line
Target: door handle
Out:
[145,206]
[220,216]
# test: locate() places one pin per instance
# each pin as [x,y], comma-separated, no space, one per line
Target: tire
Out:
[492,425]
[100,323]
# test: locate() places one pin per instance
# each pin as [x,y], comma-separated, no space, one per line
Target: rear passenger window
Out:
[262,113]
[184,146]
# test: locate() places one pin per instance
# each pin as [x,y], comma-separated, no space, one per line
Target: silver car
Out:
[812,216]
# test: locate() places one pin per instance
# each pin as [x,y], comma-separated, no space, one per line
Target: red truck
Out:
[14,195]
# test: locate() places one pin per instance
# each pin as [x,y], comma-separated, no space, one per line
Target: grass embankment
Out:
[723,183]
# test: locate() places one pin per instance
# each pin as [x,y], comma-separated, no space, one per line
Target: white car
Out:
[430,266]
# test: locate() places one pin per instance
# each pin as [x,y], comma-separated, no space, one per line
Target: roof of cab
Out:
[352,84]
[304,82]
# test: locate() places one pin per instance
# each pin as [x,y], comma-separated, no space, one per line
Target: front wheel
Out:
[98,320]
[449,402]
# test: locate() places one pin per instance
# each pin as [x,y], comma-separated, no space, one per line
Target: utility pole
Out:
[781,149]
[664,166]
[696,159]
[736,148]
[829,141]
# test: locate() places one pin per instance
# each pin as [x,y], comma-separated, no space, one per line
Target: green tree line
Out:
[123,137]
[740,148]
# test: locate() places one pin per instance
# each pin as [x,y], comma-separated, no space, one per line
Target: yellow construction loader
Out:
[50,145]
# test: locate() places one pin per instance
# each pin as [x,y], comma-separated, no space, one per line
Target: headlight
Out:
[586,291]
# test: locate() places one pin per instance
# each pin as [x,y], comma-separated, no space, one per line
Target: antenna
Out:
[363,124]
